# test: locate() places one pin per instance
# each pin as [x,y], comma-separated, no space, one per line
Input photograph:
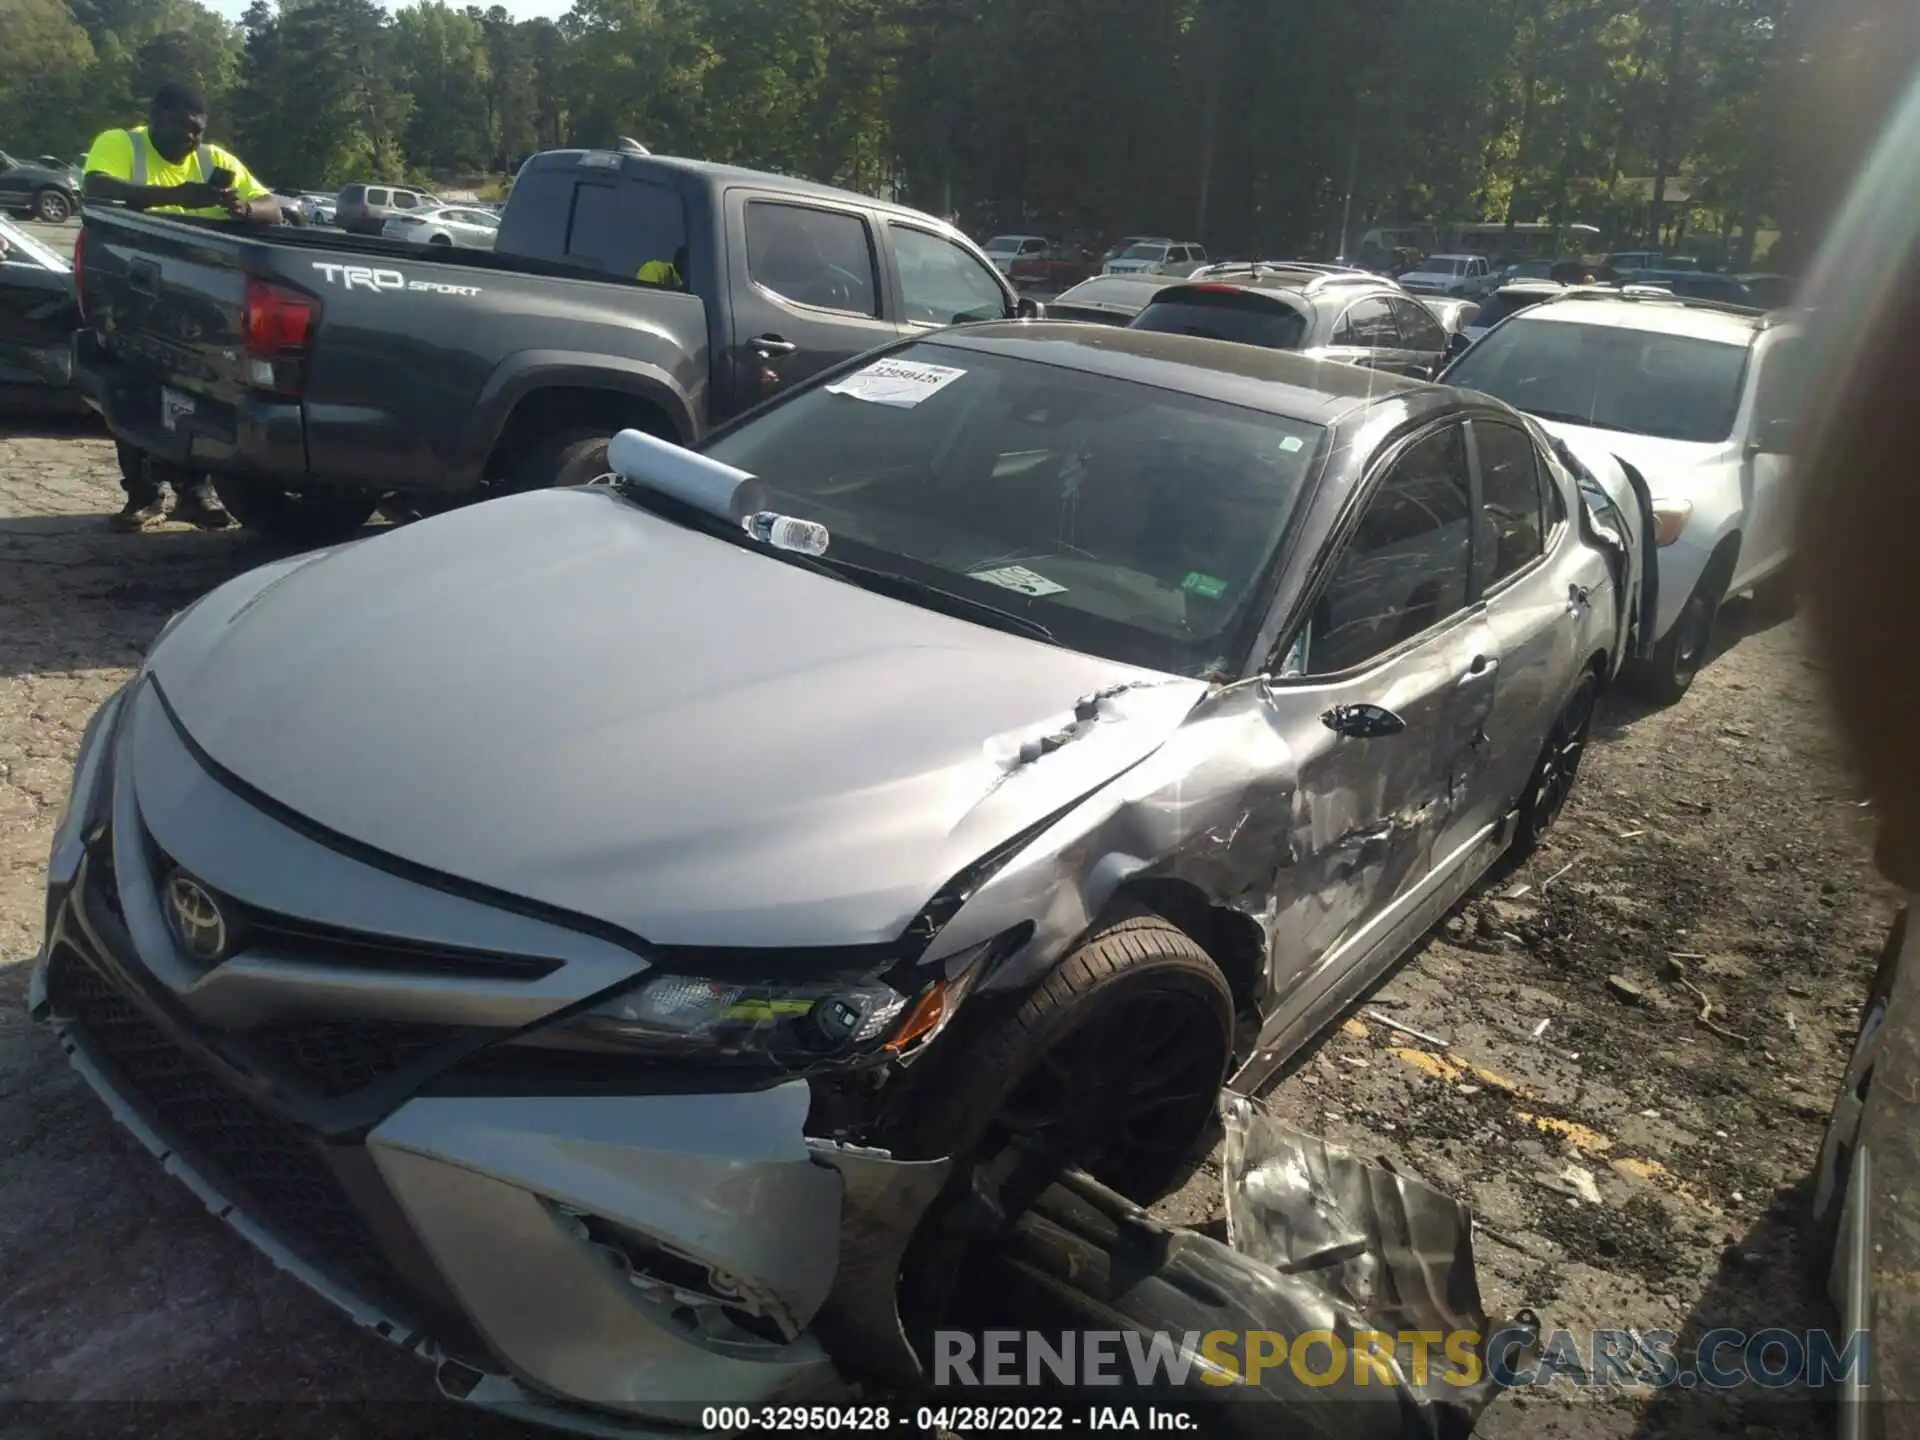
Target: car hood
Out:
[1669,466]
[571,700]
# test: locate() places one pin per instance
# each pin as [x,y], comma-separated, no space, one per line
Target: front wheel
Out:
[294,519]
[1669,672]
[1114,1063]
[52,206]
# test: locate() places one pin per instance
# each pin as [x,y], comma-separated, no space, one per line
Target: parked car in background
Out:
[39,191]
[1454,314]
[1769,291]
[1524,270]
[1622,260]
[467,227]
[1510,299]
[39,312]
[1157,257]
[1692,285]
[1004,250]
[1055,268]
[1459,275]
[1702,401]
[365,209]
[1127,242]
[786,933]
[439,374]
[1106,299]
[1327,312]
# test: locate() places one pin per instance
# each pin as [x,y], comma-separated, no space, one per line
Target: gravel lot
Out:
[1723,831]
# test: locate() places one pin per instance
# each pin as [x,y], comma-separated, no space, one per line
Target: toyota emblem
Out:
[196,918]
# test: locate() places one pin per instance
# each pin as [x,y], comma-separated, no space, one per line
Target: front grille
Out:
[339,1057]
[255,1157]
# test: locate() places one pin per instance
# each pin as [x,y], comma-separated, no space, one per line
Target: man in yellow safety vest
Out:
[167,166]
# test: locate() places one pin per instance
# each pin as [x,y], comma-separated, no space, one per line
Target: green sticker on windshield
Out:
[1211,586]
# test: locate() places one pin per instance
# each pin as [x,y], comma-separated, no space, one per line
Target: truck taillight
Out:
[279,326]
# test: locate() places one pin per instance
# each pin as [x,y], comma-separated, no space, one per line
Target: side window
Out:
[378,197]
[941,284]
[1368,324]
[1511,504]
[1198,252]
[812,257]
[405,200]
[617,228]
[1418,329]
[1405,568]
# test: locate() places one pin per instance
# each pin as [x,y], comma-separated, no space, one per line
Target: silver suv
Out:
[365,209]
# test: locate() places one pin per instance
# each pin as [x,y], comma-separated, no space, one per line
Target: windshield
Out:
[1144,252]
[1226,315]
[1445,265]
[1134,523]
[1003,245]
[1675,387]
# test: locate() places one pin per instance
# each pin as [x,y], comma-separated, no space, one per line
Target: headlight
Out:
[1669,519]
[784,1024]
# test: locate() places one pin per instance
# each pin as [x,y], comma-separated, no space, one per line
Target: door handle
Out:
[1362,722]
[1480,665]
[768,346]
[1577,596]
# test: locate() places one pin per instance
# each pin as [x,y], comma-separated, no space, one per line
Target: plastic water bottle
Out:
[785,532]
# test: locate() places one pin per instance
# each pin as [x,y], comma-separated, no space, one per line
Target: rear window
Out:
[612,224]
[353,195]
[1230,315]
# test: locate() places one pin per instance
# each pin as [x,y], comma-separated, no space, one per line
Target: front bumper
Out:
[590,1257]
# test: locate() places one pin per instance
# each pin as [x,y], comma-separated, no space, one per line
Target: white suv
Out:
[1700,400]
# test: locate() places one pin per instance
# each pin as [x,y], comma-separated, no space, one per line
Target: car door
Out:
[1366,334]
[1391,632]
[1772,416]
[1423,339]
[939,283]
[1535,587]
[804,282]
[15,187]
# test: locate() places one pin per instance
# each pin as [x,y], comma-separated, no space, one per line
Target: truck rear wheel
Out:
[293,519]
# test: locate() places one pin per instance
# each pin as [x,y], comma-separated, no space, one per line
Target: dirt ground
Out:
[1712,854]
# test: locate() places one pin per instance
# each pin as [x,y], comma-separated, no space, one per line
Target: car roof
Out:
[1658,314]
[1531,287]
[1279,382]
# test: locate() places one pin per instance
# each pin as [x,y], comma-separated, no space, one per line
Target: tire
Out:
[438,240]
[1669,672]
[1137,991]
[1556,769]
[566,457]
[52,206]
[294,218]
[304,520]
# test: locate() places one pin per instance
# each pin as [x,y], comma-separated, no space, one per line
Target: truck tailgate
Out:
[171,302]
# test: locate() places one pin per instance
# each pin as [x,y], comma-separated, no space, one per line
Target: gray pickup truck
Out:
[313,374]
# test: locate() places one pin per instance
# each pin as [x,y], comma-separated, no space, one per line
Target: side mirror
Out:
[1028,308]
[1776,437]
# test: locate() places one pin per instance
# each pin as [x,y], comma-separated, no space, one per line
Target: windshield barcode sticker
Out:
[896,382]
[1018,577]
